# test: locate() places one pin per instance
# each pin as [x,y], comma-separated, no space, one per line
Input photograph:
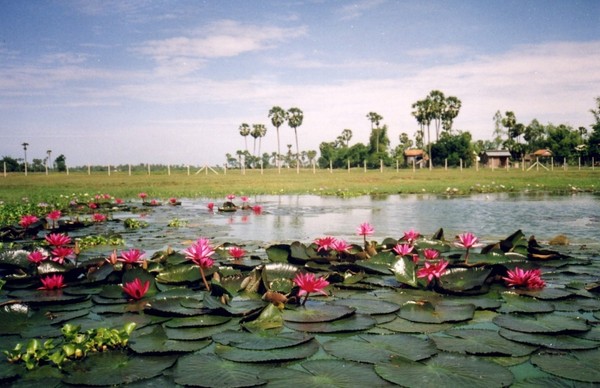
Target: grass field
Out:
[159,184]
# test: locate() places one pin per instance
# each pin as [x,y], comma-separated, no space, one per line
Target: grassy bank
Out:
[14,187]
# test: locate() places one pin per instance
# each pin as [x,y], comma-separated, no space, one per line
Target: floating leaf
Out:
[270,318]
[208,370]
[445,370]
[405,271]
[368,306]
[176,306]
[514,303]
[278,253]
[262,341]
[548,323]
[355,322]
[45,296]
[198,321]
[380,348]
[297,352]
[402,325]
[550,341]
[426,312]
[317,313]
[464,279]
[476,341]
[579,366]
[157,342]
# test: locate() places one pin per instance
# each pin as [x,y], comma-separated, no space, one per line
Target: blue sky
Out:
[111,81]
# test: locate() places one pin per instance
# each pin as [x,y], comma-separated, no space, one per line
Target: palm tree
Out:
[346,136]
[25,145]
[255,133]
[423,114]
[245,131]
[278,117]
[452,107]
[262,132]
[295,117]
[437,107]
[375,118]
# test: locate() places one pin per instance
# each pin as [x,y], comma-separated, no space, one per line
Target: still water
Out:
[490,216]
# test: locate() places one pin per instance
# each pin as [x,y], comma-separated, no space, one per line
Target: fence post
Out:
[330,166]
[188,169]
[129,169]
[67,169]
[592,164]
[565,164]
[414,163]
[537,164]
[364,165]
[225,169]
[380,165]
[89,170]
[477,164]
[396,165]
[148,168]
[108,169]
[5,167]
[460,164]
[579,162]
[348,165]
[169,169]
[445,164]
[552,163]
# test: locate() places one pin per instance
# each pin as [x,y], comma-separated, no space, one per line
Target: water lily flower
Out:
[132,256]
[52,282]
[257,209]
[340,246]
[98,217]
[54,216]
[59,254]
[113,258]
[432,271]
[411,236]
[210,206]
[172,200]
[230,197]
[27,220]
[143,196]
[468,241]
[118,201]
[324,243]
[93,205]
[58,239]
[403,249]
[37,257]
[365,229]
[237,252]
[244,198]
[199,253]
[431,254]
[308,283]
[526,279]
[136,289]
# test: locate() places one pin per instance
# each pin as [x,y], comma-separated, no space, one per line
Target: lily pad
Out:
[401,325]
[464,279]
[547,323]
[380,348]
[550,341]
[312,313]
[208,370]
[262,341]
[426,312]
[355,322]
[368,306]
[197,321]
[175,307]
[297,352]
[445,370]
[405,271]
[482,342]
[514,303]
[115,368]
[579,366]
[156,342]
[45,296]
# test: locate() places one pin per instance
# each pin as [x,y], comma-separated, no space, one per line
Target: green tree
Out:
[61,163]
[422,111]
[404,144]
[345,137]
[245,131]
[379,143]
[295,116]
[534,135]
[375,118]
[437,103]
[451,110]
[498,133]
[278,117]
[12,165]
[562,140]
[453,148]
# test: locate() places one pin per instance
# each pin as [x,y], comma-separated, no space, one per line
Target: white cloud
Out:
[358,8]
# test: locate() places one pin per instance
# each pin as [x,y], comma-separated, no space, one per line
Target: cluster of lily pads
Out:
[408,310]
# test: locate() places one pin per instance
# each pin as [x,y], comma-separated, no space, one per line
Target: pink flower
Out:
[415,258]
[365,229]
[59,254]
[136,289]
[526,279]
[432,271]
[410,236]
[468,241]
[92,205]
[325,243]
[237,252]
[143,196]
[431,254]
[28,220]
[113,258]
[403,249]
[257,209]
[200,252]
[52,282]
[154,202]
[118,201]
[244,198]
[210,206]
[172,201]
[230,197]
[340,246]
[37,257]
[54,215]
[132,256]
[309,283]
[58,239]
[98,217]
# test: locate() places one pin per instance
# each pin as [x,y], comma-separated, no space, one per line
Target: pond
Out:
[490,216]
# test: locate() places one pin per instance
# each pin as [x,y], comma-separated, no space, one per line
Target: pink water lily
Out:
[365,229]
[54,216]
[52,282]
[411,236]
[324,243]
[526,279]
[28,220]
[131,256]
[403,249]
[230,197]
[143,196]
[432,271]
[136,289]
[199,253]
[340,246]
[468,241]
[60,254]
[37,257]
[257,209]
[244,198]
[210,206]
[237,252]
[57,239]
[430,254]
[308,283]
[98,217]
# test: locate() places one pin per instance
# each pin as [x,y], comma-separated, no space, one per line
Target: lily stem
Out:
[204,279]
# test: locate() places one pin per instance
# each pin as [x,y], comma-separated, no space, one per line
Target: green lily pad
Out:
[368,306]
[198,333]
[477,341]
[324,373]
[184,273]
[401,325]
[547,323]
[156,342]
[546,293]
[436,313]
[514,303]
[261,341]
[313,312]
[45,296]
[278,253]
[175,307]
[208,370]
[279,276]
[445,370]
[380,348]
[197,321]
[297,352]
[579,366]
[237,306]
[577,304]
[115,368]
[550,341]
[464,279]
[355,322]
[405,271]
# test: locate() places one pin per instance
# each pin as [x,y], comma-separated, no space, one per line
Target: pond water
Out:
[491,217]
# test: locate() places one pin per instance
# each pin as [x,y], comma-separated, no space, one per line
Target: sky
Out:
[170,82]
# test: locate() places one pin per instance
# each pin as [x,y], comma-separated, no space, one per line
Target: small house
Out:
[416,157]
[495,158]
